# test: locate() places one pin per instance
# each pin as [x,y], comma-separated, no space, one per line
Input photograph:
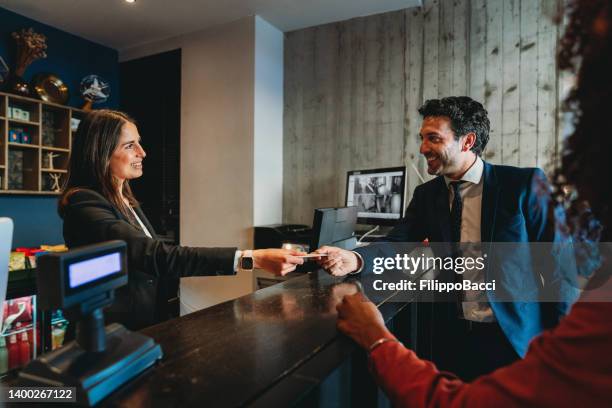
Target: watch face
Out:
[246,263]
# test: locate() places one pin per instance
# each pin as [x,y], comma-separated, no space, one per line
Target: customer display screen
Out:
[81,273]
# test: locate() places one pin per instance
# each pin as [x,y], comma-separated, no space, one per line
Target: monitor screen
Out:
[83,272]
[378,194]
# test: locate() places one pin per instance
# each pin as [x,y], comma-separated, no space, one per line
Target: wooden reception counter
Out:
[273,347]
[278,346]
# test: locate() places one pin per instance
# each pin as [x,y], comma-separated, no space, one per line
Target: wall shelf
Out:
[55,149]
[23,122]
[54,171]
[25,168]
[23,145]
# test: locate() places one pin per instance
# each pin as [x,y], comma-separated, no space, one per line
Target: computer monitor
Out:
[378,194]
[335,227]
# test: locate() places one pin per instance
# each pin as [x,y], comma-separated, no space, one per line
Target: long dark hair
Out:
[586,165]
[94,143]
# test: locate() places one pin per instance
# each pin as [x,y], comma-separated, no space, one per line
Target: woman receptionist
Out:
[97,205]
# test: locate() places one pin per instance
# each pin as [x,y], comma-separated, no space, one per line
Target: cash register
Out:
[102,358]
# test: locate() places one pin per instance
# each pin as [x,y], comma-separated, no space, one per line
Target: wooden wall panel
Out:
[413,98]
[352,90]
[528,83]
[494,76]
[510,83]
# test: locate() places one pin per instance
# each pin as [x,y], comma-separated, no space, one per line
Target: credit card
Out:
[311,256]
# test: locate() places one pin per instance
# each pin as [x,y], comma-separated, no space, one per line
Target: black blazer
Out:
[152,264]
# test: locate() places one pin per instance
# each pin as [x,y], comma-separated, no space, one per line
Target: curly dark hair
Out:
[466,115]
[586,48]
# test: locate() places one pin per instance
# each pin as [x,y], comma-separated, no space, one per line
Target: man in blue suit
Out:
[472,201]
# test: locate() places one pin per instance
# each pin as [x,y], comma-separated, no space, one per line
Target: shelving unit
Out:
[25,166]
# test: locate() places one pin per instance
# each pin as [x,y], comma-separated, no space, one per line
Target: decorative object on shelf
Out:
[17,85]
[48,128]
[94,89]
[14,135]
[4,71]
[16,113]
[15,169]
[50,88]
[18,135]
[74,124]
[30,47]
[49,160]
[55,182]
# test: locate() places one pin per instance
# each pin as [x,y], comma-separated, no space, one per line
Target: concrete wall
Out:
[352,90]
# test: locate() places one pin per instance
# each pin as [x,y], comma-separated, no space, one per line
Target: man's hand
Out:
[277,261]
[360,319]
[338,262]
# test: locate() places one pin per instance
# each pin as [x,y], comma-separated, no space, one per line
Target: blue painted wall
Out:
[71,58]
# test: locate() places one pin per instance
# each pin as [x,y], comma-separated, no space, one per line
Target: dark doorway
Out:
[151,94]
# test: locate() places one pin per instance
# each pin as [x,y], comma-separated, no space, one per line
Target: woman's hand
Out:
[360,319]
[277,261]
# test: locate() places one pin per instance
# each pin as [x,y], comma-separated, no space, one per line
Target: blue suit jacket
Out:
[514,209]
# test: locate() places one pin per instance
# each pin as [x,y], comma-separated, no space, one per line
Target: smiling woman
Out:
[97,204]
[102,148]
[126,161]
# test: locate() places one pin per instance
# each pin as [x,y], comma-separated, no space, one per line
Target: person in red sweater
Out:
[570,365]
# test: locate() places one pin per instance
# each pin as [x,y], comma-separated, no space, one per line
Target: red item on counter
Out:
[26,251]
[24,349]
[29,251]
[13,352]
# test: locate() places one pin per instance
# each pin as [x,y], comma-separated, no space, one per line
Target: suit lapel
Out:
[490,195]
[442,206]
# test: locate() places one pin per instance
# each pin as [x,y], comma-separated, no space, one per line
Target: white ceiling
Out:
[120,25]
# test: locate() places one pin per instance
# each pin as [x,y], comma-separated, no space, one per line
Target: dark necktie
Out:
[456,210]
[455,221]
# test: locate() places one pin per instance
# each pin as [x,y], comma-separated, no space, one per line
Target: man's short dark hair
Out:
[466,115]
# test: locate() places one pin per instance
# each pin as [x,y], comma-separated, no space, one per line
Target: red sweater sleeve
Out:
[568,366]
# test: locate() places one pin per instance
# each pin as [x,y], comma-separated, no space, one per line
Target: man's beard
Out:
[442,163]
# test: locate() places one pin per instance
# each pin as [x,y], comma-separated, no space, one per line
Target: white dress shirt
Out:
[142,226]
[476,306]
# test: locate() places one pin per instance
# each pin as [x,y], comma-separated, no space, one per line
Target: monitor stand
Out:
[94,374]
[362,229]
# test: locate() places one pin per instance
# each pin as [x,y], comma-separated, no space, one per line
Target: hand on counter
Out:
[360,319]
[277,261]
[338,262]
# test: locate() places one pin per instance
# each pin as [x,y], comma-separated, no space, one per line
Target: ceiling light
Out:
[130,1]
